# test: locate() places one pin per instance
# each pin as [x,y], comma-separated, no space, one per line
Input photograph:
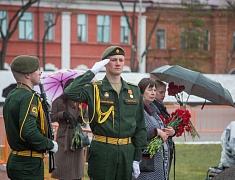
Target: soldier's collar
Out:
[107,86]
[22,85]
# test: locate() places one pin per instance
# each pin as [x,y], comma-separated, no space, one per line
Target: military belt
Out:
[110,140]
[28,153]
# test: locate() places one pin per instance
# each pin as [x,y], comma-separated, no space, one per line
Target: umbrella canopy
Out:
[54,82]
[195,84]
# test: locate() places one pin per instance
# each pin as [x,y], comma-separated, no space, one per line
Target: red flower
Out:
[84,105]
[174,90]
[180,122]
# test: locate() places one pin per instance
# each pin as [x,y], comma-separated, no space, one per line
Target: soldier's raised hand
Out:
[99,65]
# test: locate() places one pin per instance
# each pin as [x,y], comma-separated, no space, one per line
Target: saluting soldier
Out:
[25,124]
[116,118]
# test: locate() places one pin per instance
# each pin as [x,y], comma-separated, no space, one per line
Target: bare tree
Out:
[193,35]
[131,27]
[12,26]
[231,3]
[56,5]
[150,36]
[44,39]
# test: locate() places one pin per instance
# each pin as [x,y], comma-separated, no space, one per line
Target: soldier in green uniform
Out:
[116,119]
[25,124]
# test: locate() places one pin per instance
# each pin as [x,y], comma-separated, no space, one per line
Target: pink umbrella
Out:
[54,83]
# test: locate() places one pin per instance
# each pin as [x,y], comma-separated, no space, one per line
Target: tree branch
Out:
[150,36]
[17,16]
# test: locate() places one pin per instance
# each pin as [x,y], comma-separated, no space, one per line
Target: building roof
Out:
[209,2]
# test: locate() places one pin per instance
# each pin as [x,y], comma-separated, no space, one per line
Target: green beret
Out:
[113,50]
[25,64]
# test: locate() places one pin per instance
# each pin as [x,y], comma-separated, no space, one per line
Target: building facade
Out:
[85,28]
[215,38]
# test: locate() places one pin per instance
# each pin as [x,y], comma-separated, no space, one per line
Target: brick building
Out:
[85,28]
[166,45]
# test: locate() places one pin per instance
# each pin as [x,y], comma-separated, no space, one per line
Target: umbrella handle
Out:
[203,105]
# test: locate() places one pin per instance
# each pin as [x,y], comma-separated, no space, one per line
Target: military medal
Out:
[106,94]
[130,92]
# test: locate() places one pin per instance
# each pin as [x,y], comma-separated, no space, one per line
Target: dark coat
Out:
[69,162]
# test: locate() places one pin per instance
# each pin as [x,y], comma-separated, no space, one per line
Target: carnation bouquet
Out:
[177,92]
[180,122]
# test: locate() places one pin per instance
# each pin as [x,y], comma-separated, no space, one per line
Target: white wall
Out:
[227,81]
[6,78]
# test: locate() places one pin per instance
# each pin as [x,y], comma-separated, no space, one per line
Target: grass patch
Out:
[193,161]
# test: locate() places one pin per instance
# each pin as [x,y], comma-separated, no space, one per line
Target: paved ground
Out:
[3,174]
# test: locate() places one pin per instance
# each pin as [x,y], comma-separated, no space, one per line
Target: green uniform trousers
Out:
[110,162]
[25,168]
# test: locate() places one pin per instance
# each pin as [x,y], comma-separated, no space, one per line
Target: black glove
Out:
[66,116]
[79,119]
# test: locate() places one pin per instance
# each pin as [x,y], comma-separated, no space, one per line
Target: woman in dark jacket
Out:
[160,95]
[69,159]
[155,127]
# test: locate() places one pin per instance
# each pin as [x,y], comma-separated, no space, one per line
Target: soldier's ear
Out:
[27,76]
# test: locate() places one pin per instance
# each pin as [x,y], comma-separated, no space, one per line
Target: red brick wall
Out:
[220,24]
[81,53]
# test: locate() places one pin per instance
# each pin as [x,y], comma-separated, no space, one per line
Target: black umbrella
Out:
[6,90]
[195,84]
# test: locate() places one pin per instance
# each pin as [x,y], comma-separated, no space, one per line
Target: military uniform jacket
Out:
[128,109]
[23,123]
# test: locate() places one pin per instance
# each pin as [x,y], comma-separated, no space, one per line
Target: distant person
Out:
[69,159]
[227,159]
[115,110]
[25,124]
[155,127]
[160,96]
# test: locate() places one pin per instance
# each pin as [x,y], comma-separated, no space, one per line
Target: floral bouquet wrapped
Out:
[180,122]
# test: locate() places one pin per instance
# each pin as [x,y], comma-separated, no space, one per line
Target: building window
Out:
[3,22]
[103,28]
[161,44]
[124,30]
[194,39]
[26,26]
[233,40]
[190,39]
[48,21]
[206,40]
[82,28]
[183,42]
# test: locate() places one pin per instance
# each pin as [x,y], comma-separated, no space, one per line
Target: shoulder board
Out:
[97,82]
[131,84]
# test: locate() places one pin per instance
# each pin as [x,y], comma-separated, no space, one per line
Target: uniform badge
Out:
[130,92]
[117,51]
[34,110]
[106,95]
